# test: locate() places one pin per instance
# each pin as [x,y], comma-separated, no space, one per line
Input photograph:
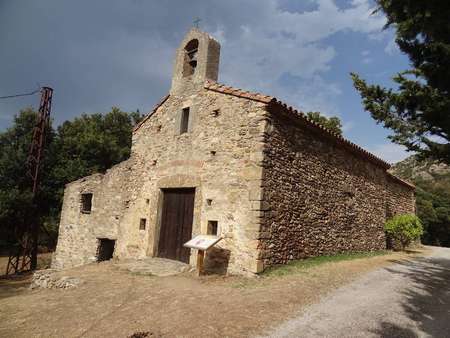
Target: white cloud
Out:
[275,43]
[312,95]
[391,47]
[390,152]
[122,52]
[366,59]
[347,126]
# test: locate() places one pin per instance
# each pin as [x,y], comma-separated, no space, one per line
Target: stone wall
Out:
[400,197]
[319,198]
[220,157]
[277,190]
[79,232]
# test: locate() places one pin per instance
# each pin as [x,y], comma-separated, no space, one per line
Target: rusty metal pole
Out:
[25,258]
[34,165]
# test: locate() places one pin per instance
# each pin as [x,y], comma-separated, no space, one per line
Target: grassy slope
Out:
[299,266]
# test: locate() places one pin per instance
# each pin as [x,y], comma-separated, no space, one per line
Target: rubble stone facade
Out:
[278,186]
[319,198]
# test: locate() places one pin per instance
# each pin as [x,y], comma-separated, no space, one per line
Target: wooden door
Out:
[176,224]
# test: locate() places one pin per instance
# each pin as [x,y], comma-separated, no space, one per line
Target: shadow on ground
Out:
[390,330]
[12,285]
[428,302]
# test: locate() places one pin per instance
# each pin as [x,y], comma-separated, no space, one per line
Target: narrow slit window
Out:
[212,228]
[184,121]
[86,203]
[142,224]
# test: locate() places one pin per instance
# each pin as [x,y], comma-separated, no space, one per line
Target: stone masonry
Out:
[319,198]
[279,186]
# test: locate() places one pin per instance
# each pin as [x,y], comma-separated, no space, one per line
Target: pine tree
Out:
[418,112]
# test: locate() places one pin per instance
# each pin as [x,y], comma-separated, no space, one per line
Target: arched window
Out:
[190,57]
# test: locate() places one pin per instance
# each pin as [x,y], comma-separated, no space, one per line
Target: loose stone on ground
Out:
[50,279]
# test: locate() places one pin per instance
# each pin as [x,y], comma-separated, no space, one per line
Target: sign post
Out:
[202,243]
[200,261]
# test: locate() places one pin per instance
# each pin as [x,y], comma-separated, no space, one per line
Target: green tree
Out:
[16,204]
[93,143]
[86,145]
[404,229]
[432,181]
[418,112]
[331,123]
[433,208]
[90,144]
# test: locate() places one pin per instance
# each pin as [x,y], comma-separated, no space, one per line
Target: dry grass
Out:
[112,303]
[44,261]
[10,285]
[301,266]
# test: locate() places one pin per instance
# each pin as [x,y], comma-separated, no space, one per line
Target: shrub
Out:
[404,229]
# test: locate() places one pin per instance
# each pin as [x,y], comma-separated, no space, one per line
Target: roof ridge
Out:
[401,180]
[160,102]
[338,137]
[255,96]
[221,88]
[218,87]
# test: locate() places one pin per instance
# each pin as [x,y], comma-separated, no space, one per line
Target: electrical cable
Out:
[18,95]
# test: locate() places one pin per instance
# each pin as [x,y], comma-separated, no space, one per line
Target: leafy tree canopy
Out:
[433,208]
[404,229]
[432,180]
[81,147]
[92,143]
[331,123]
[15,193]
[418,112]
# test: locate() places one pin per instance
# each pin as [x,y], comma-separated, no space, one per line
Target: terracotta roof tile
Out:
[214,86]
[217,87]
[402,181]
[337,137]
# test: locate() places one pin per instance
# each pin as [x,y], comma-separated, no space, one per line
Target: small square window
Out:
[142,224]
[184,121]
[212,228]
[86,203]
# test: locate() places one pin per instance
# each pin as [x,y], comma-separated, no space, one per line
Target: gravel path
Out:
[406,299]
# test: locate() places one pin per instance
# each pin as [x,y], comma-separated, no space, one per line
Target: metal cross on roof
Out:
[196,22]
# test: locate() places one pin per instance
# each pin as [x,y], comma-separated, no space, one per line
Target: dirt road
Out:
[113,303]
[407,299]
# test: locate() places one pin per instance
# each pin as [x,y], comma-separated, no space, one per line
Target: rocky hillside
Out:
[432,182]
[414,170]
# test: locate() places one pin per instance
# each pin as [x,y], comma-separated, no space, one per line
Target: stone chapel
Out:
[212,159]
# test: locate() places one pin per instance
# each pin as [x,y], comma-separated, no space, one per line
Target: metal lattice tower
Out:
[25,257]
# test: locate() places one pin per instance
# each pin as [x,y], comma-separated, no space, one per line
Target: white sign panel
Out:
[202,242]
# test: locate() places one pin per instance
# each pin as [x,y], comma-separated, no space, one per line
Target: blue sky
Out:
[104,53]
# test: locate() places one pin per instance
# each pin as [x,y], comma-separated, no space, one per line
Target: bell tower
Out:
[197,60]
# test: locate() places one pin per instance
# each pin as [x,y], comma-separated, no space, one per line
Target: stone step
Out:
[155,266]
